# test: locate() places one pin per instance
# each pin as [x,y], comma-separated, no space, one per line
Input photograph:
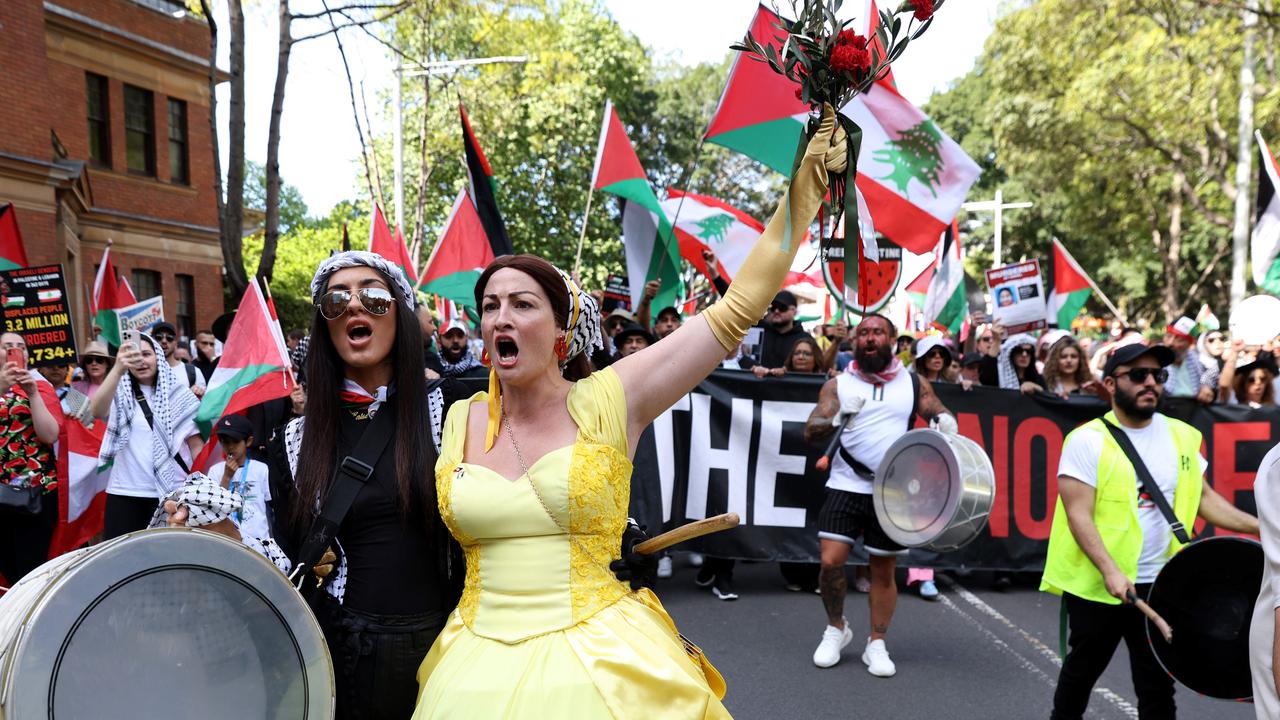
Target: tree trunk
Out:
[1172,256]
[213,116]
[424,173]
[271,232]
[1244,157]
[233,218]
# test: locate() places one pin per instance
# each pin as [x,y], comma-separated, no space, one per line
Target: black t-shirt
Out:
[432,361]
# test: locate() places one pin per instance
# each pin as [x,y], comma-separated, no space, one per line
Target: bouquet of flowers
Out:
[831,64]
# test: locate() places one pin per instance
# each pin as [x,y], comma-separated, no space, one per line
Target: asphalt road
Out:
[975,654]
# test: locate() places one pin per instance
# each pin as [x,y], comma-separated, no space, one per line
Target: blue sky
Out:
[320,151]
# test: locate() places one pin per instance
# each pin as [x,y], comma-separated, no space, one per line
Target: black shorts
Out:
[846,516]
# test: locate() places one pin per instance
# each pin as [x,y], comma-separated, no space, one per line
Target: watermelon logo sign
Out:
[874,287]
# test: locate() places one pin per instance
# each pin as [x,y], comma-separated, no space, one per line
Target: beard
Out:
[873,361]
[451,355]
[1128,402]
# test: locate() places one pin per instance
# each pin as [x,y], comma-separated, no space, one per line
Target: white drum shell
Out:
[934,491]
[224,607]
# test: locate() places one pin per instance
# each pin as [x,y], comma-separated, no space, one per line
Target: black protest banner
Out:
[36,307]
[736,444]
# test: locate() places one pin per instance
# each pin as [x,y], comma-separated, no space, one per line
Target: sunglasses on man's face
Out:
[1138,376]
[163,337]
[374,299]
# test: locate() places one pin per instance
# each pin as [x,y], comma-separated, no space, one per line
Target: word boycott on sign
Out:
[737,444]
[35,307]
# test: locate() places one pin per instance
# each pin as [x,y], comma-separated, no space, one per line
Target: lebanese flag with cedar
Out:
[254,367]
[13,254]
[460,255]
[82,498]
[390,246]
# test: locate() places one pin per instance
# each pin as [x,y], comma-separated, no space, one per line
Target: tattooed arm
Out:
[819,429]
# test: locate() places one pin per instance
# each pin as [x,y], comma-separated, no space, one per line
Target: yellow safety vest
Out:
[1115,513]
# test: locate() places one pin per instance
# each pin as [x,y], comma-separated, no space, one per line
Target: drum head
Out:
[163,624]
[1206,593]
[917,488]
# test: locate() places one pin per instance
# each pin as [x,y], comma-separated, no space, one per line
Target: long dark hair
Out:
[549,279]
[819,364]
[415,452]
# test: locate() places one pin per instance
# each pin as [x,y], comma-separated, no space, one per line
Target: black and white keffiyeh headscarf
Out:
[172,404]
[582,327]
[1008,374]
[356,258]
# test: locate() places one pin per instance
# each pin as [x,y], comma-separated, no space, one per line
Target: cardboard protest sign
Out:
[1017,293]
[36,307]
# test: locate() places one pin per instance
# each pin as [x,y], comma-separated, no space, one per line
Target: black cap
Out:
[785,298]
[972,358]
[234,427]
[1126,354]
[162,326]
[632,329]
[668,310]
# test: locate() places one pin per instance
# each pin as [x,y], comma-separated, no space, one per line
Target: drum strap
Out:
[857,467]
[1147,483]
[348,478]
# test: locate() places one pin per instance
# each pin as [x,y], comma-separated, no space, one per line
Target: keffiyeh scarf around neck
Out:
[1008,375]
[880,378]
[353,394]
[467,362]
[172,404]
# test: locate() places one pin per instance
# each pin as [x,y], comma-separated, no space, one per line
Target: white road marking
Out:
[1124,706]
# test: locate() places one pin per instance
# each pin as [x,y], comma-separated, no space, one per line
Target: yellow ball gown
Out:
[544,629]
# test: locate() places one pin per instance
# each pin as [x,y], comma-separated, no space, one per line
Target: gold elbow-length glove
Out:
[762,273]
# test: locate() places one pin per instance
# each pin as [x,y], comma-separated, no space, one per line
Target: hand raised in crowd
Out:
[709,258]
[229,468]
[129,357]
[1205,396]
[840,330]
[651,289]
[299,396]
[13,374]
[999,331]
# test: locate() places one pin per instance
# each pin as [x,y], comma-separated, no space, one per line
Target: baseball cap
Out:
[633,329]
[971,359]
[668,310]
[785,298]
[1183,327]
[1126,354]
[454,324]
[163,326]
[234,427]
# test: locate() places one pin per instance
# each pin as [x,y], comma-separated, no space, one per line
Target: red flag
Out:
[390,246]
[13,254]
[83,496]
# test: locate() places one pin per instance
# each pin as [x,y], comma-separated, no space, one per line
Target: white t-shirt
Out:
[131,473]
[881,421]
[1155,446]
[250,482]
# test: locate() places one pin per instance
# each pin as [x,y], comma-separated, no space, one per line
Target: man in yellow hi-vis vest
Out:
[1109,540]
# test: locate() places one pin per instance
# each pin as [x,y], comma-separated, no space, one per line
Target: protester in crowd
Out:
[1211,346]
[1046,342]
[933,358]
[1187,377]
[871,404]
[244,475]
[74,404]
[456,357]
[1014,367]
[32,421]
[295,336]
[1252,383]
[986,343]
[95,362]
[167,335]
[427,323]
[151,433]
[612,323]
[780,330]
[668,321]
[631,339]
[970,368]
[206,360]
[837,347]
[738,360]
[1108,543]
[713,273]
[182,355]
[1065,373]
[1236,356]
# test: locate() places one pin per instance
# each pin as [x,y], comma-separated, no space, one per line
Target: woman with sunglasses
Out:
[534,479]
[1014,368]
[95,362]
[1252,384]
[151,433]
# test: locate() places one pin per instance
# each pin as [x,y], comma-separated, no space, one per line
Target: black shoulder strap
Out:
[191,374]
[151,423]
[1146,482]
[348,478]
[915,401]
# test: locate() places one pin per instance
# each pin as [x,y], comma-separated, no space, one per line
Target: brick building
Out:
[104,136]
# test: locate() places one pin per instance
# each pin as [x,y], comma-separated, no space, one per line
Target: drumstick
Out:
[687,532]
[1154,616]
[824,462]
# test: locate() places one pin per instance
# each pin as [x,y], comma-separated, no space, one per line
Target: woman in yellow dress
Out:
[533,480]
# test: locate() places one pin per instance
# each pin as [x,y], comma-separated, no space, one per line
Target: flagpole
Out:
[586,217]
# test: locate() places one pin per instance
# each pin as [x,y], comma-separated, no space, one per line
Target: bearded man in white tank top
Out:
[880,399]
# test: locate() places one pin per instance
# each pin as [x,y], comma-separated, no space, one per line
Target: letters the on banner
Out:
[35,306]
[736,444]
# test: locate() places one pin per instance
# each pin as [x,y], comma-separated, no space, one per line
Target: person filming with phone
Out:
[151,432]
[30,420]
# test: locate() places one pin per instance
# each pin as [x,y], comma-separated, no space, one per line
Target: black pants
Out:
[376,659]
[1096,630]
[24,539]
[124,514]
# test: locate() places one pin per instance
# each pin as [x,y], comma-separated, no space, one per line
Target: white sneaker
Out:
[834,640]
[664,567]
[876,658]
[695,560]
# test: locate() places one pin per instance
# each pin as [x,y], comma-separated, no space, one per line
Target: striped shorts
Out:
[846,516]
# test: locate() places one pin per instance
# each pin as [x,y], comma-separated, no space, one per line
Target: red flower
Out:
[847,58]
[924,9]
[849,37]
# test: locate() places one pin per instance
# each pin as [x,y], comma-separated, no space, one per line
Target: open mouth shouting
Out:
[507,351]
[359,332]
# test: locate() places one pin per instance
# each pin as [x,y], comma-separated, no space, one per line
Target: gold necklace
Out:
[524,468]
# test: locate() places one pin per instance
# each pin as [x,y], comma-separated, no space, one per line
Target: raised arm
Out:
[100,405]
[656,377]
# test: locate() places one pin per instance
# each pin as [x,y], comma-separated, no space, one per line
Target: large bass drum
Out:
[1206,592]
[166,623]
[934,491]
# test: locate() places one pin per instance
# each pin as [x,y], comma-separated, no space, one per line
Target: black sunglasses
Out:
[374,299]
[163,336]
[1021,350]
[91,359]
[1138,376]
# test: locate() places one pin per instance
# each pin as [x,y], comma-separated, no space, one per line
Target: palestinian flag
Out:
[107,297]
[1067,287]
[83,497]
[125,293]
[483,189]
[917,290]
[913,176]
[1265,243]
[254,367]
[461,254]
[13,254]
[651,248]
[945,304]
[390,246]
